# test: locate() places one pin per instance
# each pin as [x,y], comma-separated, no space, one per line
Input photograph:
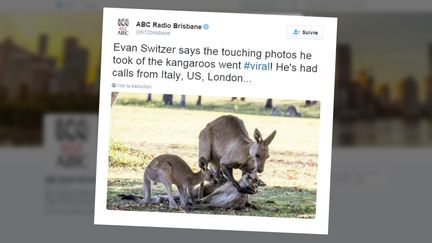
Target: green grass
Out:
[272,201]
[123,156]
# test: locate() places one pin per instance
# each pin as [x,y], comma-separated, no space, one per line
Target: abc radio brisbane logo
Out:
[123,24]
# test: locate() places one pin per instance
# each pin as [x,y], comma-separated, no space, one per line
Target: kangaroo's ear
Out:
[257,136]
[269,139]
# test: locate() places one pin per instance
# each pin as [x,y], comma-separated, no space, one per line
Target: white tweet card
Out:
[212,120]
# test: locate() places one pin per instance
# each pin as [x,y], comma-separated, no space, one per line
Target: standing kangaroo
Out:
[225,144]
[170,169]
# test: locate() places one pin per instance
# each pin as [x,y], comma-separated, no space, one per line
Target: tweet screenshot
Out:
[215,120]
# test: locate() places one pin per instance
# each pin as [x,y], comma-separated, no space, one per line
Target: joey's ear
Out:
[257,136]
[269,139]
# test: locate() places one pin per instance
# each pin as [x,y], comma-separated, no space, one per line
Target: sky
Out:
[390,46]
[25,28]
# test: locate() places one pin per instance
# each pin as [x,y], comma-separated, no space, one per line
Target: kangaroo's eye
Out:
[257,155]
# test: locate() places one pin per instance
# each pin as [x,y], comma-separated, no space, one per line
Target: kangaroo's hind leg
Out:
[172,203]
[204,153]
[146,188]
[183,198]
[205,148]
[190,194]
[165,177]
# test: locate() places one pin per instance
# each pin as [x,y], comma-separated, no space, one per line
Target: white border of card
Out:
[240,30]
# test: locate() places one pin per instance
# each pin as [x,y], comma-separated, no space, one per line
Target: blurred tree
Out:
[114,97]
[167,99]
[198,103]
[269,104]
[241,99]
[183,101]
[310,103]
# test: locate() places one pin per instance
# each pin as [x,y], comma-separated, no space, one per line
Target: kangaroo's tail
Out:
[131,197]
[139,199]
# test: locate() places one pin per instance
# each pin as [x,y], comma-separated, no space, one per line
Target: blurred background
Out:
[49,83]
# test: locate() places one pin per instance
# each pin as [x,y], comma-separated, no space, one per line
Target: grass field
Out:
[139,132]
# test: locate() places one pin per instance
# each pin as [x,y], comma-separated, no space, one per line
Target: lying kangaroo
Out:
[216,196]
[170,169]
[227,196]
[225,144]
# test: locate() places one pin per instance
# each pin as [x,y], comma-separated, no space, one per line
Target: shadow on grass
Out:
[287,202]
